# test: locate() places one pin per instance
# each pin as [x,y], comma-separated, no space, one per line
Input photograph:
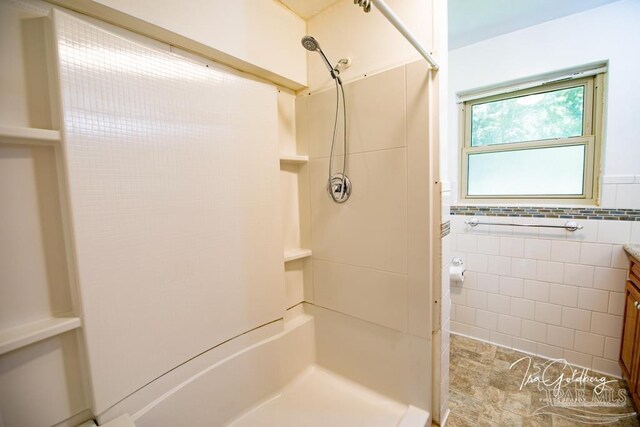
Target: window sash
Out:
[587,114]
[588,142]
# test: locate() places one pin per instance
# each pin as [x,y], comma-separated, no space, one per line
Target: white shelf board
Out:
[21,336]
[294,159]
[22,135]
[296,254]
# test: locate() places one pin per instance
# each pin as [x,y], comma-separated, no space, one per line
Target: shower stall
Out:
[198,266]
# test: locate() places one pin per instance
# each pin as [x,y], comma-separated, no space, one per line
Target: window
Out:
[537,144]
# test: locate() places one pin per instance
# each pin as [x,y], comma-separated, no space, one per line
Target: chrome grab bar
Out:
[569,225]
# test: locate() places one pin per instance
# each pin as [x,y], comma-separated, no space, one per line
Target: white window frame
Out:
[591,138]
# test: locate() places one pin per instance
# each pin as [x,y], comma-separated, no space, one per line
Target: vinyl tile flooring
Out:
[486,390]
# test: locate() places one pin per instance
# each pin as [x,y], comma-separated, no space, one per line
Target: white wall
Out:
[609,33]
[261,37]
[372,43]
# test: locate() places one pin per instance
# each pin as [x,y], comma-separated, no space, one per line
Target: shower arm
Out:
[396,22]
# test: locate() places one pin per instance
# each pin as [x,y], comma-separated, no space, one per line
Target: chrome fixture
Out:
[569,225]
[338,185]
[396,22]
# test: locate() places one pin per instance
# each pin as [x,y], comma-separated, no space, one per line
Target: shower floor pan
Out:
[318,397]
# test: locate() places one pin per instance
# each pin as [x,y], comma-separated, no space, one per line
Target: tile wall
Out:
[554,293]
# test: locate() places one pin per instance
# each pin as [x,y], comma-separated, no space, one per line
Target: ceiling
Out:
[307,8]
[471,21]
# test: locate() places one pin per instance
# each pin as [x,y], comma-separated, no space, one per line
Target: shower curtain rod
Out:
[396,22]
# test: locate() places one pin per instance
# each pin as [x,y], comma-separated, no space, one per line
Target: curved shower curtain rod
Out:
[396,22]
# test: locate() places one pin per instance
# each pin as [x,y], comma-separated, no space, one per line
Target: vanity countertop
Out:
[633,250]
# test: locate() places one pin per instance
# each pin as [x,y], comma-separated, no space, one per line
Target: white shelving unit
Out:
[29,136]
[22,336]
[295,254]
[294,159]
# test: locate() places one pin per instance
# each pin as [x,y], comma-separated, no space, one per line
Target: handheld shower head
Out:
[312,45]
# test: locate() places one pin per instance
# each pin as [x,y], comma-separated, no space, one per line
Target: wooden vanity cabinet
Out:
[630,347]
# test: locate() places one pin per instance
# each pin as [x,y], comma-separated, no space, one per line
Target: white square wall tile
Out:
[489,245]
[477,262]
[611,279]
[500,265]
[522,344]
[619,257]
[480,333]
[512,246]
[549,271]
[549,351]
[628,196]
[616,303]
[608,196]
[548,313]
[635,233]
[509,325]
[537,249]
[578,359]
[488,282]
[607,325]
[618,232]
[523,268]
[498,303]
[578,275]
[523,308]
[606,367]
[611,348]
[565,251]
[535,331]
[486,320]
[563,295]
[466,242]
[501,339]
[459,328]
[511,286]
[576,318]
[595,254]
[593,299]
[560,337]
[466,315]
[588,233]
[589,343]
[534,290]
[458,295]
[477,299]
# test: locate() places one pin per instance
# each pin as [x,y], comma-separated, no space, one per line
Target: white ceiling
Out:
[471,21]
[307,8]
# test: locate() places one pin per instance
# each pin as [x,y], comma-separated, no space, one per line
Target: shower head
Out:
[312,45]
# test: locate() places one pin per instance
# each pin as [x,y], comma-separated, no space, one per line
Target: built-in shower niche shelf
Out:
[295,254]
[23,335]
[296,159]
[28,136]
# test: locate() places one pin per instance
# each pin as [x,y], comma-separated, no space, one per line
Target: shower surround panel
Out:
[171,169]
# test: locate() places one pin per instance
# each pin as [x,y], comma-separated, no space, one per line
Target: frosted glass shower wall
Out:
[172,169]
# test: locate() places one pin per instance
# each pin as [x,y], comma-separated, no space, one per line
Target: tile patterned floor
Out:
[485,391]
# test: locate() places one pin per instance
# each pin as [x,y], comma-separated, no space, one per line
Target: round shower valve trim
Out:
[337,193]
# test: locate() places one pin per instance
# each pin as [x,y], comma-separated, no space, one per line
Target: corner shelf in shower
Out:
[295,254]
[21,336]
[296,159]
[28,136]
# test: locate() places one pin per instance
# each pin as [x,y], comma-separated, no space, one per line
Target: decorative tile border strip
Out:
[445,228]
[548,212]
